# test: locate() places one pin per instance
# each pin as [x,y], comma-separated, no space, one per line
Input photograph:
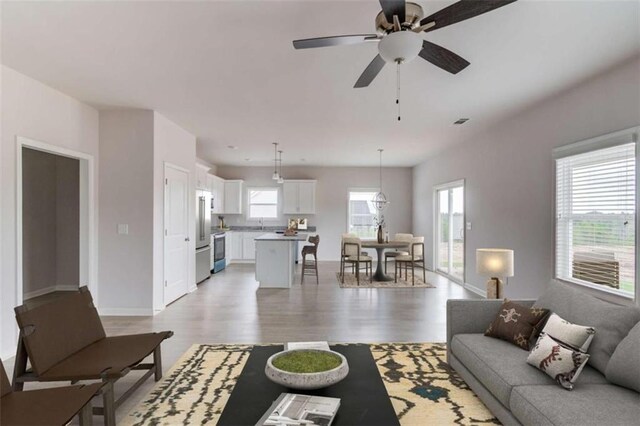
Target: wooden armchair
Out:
[55,406]
[414,258]
[64,341]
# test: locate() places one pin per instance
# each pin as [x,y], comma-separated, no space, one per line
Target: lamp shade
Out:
[494,262]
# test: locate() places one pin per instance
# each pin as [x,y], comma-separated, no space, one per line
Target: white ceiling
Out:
[227,72]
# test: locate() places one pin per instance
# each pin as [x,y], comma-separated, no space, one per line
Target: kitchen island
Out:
[275,259]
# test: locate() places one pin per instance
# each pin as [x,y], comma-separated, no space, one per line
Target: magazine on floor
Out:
[292,409]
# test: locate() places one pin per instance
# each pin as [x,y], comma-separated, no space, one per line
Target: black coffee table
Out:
[364,399]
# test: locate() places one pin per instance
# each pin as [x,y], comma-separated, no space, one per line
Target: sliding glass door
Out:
[449,224]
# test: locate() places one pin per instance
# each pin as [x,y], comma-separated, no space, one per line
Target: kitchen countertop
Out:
[247,228]
[279,237]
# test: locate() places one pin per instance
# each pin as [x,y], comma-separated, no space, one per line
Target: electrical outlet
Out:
[123,229]
[468,226]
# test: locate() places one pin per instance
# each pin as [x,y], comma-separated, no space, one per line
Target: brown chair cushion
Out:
[5,385]
[54,406]
[110,356]
[56,330]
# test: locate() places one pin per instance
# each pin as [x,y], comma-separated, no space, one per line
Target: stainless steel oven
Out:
[219,253]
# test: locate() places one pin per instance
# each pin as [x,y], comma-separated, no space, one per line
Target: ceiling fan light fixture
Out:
[401,46]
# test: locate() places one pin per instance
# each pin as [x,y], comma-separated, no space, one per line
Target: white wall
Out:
[36,111]
[174,145]
[509,174]
[331,198]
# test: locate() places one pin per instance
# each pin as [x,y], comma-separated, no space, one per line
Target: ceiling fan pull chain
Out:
[398,88]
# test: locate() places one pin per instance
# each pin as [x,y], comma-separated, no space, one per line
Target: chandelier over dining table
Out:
[380,199]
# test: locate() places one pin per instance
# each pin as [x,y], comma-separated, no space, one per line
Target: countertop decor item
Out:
[306,368]
[494,263]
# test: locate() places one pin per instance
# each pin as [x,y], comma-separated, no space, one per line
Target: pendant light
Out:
[275,175]
[280,178]
[380,200]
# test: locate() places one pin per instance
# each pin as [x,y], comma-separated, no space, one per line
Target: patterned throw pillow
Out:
[516,323]
[560,362]
[578,337]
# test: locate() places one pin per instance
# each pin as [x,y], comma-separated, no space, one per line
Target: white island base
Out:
[275,259]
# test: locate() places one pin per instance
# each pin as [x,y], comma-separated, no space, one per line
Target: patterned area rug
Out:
[422,388]
[351,282]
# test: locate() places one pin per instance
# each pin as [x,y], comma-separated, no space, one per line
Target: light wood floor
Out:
[229,308]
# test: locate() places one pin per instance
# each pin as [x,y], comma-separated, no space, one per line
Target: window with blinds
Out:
[596,217]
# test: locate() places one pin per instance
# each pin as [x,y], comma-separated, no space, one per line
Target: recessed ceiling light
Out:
[461,121]
[247,159]
[303,159]
[232,147]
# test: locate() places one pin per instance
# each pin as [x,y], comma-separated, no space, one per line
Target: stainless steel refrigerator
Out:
[203,235]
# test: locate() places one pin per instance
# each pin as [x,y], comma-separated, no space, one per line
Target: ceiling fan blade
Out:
[462,10]
[443,58]
[309,43]
[393,7]
[370,72]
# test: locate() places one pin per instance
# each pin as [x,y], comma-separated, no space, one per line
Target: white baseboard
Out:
[47,290]
[476,290]
[126,312]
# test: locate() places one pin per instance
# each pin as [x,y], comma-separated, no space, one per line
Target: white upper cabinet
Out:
[233,196]
[299,197]
[201,177]
[216,186]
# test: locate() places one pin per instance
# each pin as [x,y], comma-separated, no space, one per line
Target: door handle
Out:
[187,239]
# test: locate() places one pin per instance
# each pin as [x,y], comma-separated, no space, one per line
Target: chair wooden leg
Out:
[385,264]
[424,273]
[109,404]
[157,361]
[304,263]
[413,274]
[357,265]
[85,416]
[315,258]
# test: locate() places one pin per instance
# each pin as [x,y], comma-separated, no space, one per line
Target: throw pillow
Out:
[613,322]
[624,366]
[560,362]
[516,323]
[578,337]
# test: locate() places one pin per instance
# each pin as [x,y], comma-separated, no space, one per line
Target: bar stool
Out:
[310,268]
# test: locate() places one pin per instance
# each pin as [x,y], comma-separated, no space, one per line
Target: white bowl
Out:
[306,380]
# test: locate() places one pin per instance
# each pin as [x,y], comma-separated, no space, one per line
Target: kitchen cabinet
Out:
[216,187]
[233,196]
[236,245]
[201,177]
[241,246]
[299,197]
[249,245]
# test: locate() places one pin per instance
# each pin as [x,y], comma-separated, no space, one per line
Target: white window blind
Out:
[596,217]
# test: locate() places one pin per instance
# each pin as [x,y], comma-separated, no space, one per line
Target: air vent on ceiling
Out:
[461,121]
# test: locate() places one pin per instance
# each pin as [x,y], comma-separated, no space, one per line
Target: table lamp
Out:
[496,264]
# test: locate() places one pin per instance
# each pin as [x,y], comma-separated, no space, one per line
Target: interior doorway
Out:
[450,230]
[55,243]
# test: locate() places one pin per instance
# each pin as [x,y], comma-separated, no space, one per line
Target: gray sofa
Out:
[518,393]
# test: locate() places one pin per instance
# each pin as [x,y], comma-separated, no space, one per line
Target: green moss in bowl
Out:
[307,361]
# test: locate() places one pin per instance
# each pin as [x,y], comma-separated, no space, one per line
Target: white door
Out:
[176,239]
[450,230]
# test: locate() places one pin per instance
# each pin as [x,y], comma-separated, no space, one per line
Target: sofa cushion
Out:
[560,362]
[500,366]
[586,405]
[612,322]
[624,366]
[516,323]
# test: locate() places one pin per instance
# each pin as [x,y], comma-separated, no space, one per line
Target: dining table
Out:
[380,248]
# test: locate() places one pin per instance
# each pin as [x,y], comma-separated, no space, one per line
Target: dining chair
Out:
[311,250]
[404,238]
[342,256]
[352,253]
[414,258]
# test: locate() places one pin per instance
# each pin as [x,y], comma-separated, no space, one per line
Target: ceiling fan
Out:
[399,25]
